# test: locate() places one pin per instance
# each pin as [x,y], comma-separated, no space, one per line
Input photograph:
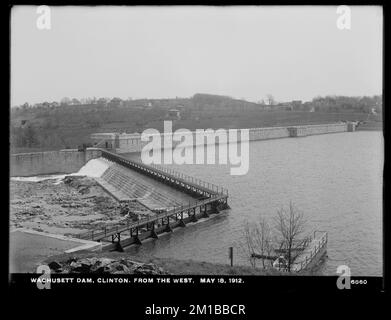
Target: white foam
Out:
[93,168]
[39,178]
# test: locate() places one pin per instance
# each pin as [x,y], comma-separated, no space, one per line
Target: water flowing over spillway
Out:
[126,184]
[94,168]
[151,193]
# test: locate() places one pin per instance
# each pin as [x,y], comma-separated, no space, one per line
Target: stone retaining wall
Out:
[50,162]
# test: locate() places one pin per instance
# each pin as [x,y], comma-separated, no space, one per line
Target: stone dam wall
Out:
[71,160]
[50,162]
[127,143]
[302,131]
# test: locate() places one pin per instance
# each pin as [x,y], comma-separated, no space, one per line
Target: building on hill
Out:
[174,113]
[296,104]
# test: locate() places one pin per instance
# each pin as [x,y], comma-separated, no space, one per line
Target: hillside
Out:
[69,126]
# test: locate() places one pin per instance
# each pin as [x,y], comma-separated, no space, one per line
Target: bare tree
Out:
[270,99]
[257,242]
[65,101]
[290,225]
[247,246]
[262,239]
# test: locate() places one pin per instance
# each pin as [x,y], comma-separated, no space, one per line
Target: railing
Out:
[117,229]
[210,187]
[190,179]
[314,251]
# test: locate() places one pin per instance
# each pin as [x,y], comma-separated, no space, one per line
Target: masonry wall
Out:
[309,130]
[129,143]
[132,142]
[268,133]
[50,162]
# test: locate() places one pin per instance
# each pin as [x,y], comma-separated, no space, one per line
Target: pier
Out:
[312,253]
[175,217]
[309,252]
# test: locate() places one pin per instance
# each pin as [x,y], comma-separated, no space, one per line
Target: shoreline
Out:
[370,129]
[174,266]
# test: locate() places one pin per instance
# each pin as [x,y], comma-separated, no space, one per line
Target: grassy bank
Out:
[173,266]
[371,126]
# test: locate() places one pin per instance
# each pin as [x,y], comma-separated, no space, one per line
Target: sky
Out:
[293,53]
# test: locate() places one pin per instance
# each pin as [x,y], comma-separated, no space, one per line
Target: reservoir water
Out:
[336,180]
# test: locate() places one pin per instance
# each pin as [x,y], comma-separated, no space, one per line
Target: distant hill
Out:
[55,126]
[202,101]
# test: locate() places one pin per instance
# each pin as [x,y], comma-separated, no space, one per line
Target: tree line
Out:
[201,101]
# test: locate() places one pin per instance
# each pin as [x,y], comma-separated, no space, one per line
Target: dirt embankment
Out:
[68,206]
[370,126]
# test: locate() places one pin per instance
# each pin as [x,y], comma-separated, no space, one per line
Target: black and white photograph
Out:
[196,145]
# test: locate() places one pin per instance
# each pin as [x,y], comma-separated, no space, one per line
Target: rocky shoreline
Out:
[122,263]
[104,265]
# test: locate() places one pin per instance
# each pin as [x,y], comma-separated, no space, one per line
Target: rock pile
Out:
[68,208]
[80,183]
[105,266]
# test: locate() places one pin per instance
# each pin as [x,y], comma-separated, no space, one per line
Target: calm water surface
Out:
[335,179]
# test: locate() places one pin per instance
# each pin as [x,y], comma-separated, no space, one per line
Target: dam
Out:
[71,160]
[132,142]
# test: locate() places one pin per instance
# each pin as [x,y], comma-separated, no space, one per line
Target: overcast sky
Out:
[158,52]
